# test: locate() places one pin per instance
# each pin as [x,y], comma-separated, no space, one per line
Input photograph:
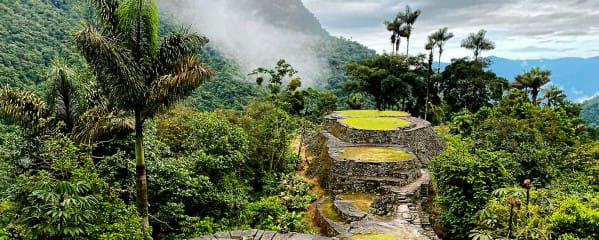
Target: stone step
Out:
[347,210]
[408,190]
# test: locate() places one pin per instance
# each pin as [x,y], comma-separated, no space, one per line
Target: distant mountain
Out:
[290,14]
[579,77]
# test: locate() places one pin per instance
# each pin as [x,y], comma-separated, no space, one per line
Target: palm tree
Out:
[430,45]
[533,79]
[441,37]
[478,43]
[64,103]
[136,73]
[64,94]
[554,95]
[408,17]
[394,27]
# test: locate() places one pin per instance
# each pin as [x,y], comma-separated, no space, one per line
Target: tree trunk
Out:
[428,81]
[141,184]
[510,233]
[408,46]
[439,65]
[534,93]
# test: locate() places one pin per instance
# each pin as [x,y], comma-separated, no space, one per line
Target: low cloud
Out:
[236,29]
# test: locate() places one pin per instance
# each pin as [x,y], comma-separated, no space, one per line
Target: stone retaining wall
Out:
[373,169]
[339,183]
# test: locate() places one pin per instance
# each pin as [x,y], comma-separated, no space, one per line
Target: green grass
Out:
[361,201]
[329,212]
[373,113]
[375,123]
[374,154]
[375,237]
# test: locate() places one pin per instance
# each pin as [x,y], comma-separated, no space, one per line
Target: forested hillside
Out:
[32,32]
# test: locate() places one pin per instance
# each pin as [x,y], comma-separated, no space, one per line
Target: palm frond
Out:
[139,24]
[116,72]
[99,123]
[170,88]
[22,107]
[64,93]
[105,14]
[178,45]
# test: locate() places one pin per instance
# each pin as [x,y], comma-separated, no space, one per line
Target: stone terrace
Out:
[398,187]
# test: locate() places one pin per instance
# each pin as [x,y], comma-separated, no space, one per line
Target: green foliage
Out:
[527,222]
[270,130]
[590,112]
[577,217]
[66,200]
[464,182]
[33,32]
[285,212]
[289,98]
[174,126]
[388,79]
[318,103]
[466,85]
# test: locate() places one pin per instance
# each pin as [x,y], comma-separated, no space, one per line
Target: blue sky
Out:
[521,29]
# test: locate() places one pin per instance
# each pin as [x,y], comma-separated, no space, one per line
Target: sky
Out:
[520,29]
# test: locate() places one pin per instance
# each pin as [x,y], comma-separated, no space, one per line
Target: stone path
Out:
[399,187]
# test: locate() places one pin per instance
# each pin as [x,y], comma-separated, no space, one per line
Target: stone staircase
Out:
[374,196]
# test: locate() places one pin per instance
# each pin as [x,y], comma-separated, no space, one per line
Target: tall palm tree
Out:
[408,17]
[441,37]
[430,45]
[534,80]
[478,43]
[394,27]
[135,72]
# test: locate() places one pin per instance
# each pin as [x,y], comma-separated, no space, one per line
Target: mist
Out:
[236,29]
